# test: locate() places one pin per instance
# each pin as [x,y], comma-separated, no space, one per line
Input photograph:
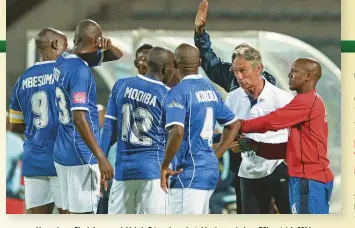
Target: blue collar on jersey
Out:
[68,55]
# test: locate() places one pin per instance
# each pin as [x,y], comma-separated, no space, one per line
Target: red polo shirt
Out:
[306,154]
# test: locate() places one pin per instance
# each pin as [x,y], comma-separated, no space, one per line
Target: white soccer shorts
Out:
[137,197]
[42,190]
[189,201]
[80,187]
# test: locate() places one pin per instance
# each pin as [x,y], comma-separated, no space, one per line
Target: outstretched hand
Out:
[201,16]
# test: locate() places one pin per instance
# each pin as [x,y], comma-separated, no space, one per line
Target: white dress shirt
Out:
[270,99]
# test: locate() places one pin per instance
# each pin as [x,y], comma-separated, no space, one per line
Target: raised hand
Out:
[201,16]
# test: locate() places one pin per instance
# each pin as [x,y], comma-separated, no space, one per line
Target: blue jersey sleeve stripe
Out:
[229,122]
[174,123]
[110,117]
[79,108]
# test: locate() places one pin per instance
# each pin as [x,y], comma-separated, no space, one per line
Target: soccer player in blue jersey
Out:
[192,108]
[140,61]
[33,113]
[134,118]
[79,161]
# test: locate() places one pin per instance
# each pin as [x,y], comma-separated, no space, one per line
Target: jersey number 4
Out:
[141,124]
[207,130]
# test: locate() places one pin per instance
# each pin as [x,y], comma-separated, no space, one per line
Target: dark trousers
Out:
[256,193]
[238,194]
[235,161]
[103,203]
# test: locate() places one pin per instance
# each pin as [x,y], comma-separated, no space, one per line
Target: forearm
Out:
[85,132]
[228,135]
[257,125]
[216,139]
[216,69]
[173,145]
[109,135]
[112,54]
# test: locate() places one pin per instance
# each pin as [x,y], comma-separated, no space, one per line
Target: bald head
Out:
[304,75]
[312,66]
[160,63]
[87,32]
[187,55]
[50,43]
[45,38]
[157,57]
[188,59]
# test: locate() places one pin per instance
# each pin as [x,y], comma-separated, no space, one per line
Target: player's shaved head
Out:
[312,66]
[304,75]
[50,43]
[157,58]
[160,63]
[45,38]
[87,31]
[187,58]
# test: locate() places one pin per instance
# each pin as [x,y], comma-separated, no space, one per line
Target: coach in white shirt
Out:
[261,179]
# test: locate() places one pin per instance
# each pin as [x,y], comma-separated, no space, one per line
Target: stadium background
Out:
[281,30]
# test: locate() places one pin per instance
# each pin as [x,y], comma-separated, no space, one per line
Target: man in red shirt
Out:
[311,179]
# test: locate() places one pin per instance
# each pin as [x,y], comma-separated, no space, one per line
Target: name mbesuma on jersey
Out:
[140,96]
[206,96]
[36,81]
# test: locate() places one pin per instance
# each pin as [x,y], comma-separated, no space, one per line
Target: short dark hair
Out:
[143,47]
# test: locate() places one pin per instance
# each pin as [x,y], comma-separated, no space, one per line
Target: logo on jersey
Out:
[56,74]
[175,105]
[79,98]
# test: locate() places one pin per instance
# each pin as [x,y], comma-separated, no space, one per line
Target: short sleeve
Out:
[225,116]
[111,110]
[80,88]
[16,114]
[175,108]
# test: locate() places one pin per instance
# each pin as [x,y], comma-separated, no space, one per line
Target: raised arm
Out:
[215,68]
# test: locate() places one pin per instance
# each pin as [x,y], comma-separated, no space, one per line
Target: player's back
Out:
[75,90]
[140,115]
[34,93]
[201,105]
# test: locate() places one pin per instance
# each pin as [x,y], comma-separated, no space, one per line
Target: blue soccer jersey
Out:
[32,103]
[137,106]
[196,105]
[75,90]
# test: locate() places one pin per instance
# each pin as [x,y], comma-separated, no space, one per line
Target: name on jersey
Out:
[206,96]
[37,81]
[140,96]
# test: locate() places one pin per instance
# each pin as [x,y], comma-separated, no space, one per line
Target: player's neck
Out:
[155,75]
[183,73]
[83,48]
[47,57]
[306,88]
